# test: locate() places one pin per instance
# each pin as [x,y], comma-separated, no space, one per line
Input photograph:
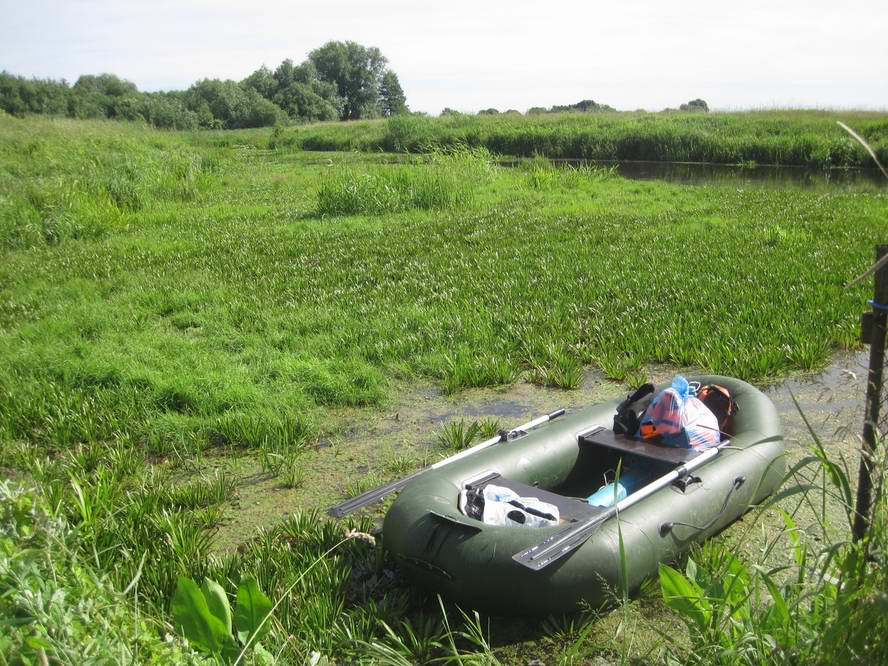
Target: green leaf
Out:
[261,656]
[217,602]
[36,643]
[793,531]
[781,610]
[191,614]
[736,580]
[252,608]
[684,596]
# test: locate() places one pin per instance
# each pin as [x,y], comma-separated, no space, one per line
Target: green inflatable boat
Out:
[688,495]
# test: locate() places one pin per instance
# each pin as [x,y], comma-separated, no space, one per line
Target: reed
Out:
[787,137]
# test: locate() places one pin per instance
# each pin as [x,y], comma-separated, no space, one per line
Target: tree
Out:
[447,111]
[583,106]
[105,84]
[357,73]
[392,100]
[697,105]
[10,95]
[262,81]
[167,110]
[339,80]
[233,105]
[488,112]
[303,95]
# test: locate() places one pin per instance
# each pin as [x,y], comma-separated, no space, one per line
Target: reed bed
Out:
[798,138]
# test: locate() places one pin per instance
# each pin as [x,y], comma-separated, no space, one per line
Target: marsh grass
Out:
[459,434]
[827,605]
[294,471]
[542,174]
[86,192]
[448,180]
[227,319]
[562,370]
[466,370]
[164,294]
[808,138]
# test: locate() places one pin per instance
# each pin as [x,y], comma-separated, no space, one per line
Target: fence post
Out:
[873,330]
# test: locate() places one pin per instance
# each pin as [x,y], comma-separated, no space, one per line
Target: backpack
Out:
[720,403]
[628,417]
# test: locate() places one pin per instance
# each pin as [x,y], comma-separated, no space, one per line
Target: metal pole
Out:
[879,318]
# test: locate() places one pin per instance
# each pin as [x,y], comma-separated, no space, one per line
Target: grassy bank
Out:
[170,301]
[801,138]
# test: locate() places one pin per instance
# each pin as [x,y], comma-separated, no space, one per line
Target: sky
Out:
[630,54]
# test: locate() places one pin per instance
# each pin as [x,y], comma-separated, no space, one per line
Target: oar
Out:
[376,494]
[561,543]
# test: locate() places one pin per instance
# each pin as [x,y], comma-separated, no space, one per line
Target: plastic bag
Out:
[503,506]
[680,419]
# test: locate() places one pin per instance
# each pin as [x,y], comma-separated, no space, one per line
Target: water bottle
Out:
[604,496]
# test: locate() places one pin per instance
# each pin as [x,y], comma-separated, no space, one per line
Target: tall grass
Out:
[87,184]
[166,293]
[232,318]
[826,605]
[448,180]
[800,138]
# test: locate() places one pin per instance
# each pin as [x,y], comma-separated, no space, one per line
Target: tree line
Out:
[583,106]
[339,80]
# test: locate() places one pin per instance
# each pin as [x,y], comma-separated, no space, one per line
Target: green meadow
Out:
[173,301]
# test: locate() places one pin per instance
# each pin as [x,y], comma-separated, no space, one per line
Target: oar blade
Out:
[558,545]
[369,497]
[376,494]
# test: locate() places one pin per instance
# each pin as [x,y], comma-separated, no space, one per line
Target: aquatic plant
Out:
[458,434]
[827,605]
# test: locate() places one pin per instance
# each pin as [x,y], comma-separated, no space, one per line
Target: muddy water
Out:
[389,443]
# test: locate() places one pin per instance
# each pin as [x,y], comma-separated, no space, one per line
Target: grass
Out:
[449,181]
[825,605]
[458,434]
[800,138]
[170,301]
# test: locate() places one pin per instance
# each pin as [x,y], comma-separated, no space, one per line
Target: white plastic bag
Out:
[503,506]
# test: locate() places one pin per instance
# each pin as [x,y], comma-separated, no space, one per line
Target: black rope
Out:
[665,528]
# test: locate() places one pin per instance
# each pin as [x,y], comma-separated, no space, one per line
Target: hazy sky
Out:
[471,55]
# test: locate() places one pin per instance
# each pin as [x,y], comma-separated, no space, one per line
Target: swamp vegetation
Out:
[178,307]
[799,138]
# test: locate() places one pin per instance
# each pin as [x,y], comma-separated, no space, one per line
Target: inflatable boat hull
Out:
[471,563]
